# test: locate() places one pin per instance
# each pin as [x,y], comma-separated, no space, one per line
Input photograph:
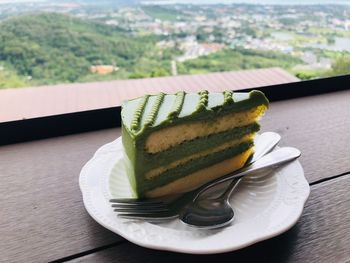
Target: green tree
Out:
[54,48]
[341,66]
[228,59]
[305,75]
[330,40]
[138,75]
[9,79]
[201,35]
[159,72]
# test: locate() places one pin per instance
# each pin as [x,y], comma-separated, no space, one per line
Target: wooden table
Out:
[43,218]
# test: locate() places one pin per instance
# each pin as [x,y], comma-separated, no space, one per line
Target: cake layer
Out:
[229,144]
[166,138]
[147,161]
[191,167]
[201,176]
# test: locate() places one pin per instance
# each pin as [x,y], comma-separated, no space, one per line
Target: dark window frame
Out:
[85,121]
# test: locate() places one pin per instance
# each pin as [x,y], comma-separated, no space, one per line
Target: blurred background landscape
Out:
[50,42]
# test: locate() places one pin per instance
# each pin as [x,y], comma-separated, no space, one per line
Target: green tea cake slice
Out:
[175,142]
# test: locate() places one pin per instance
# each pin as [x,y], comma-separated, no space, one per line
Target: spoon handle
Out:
[270,160]
[264,144]
[232,186]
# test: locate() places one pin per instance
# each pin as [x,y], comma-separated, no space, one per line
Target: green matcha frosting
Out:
[154,111]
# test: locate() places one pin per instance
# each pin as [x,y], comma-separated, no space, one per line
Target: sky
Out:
[210,1]
[303,2]
[19,1]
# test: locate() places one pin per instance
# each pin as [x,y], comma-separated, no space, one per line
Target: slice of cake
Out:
[176,142]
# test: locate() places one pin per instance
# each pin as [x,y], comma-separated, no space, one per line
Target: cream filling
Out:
[166,138]
[159,170]
[202,176]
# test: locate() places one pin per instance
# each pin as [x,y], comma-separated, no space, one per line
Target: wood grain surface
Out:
[43,217]
[42,214]
[319,126]
[321,235]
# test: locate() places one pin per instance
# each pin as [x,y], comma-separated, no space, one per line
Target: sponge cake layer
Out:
[202,176]
[161,169]
[166,138]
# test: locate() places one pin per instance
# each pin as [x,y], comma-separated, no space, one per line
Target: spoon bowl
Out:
[212,212]
[204,212]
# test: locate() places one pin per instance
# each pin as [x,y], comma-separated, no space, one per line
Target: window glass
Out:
[48,42]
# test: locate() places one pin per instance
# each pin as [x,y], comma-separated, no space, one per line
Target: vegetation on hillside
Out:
[52,48]
[161,12]
[9,79]
[341,66]
[232,59]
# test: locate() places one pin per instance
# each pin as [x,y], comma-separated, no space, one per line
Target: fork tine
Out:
[131,201]
[139,207]
[153,217]
[141,211]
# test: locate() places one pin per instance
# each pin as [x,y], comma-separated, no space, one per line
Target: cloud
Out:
[20,1]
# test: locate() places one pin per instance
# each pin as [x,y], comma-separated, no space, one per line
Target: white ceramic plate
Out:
[265,206]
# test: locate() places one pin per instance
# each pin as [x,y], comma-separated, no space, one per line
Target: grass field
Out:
[161,13]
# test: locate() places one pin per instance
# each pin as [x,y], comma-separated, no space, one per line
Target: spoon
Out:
[215,213]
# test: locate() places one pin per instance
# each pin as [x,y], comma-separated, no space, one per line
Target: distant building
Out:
[347,25]
[200,18]
[112,22]
[211,47]
[165,44]
[103,69]
[193,49]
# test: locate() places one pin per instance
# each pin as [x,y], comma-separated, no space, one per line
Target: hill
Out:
[53,48]
[161,12]
[237,59]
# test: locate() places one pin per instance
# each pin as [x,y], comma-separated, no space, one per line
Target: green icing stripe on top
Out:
[228,97]
[203,100]
[177,106]
[135,123]
[153,114]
